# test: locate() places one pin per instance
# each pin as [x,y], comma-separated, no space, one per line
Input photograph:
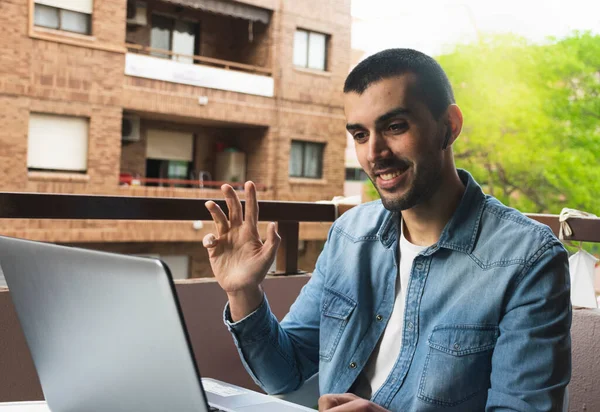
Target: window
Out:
[178,36]
[66,15]
[310,50]
[57,143]
[355,174]
[169,154]
[306,159]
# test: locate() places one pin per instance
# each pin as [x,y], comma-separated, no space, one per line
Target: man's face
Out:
[398,142]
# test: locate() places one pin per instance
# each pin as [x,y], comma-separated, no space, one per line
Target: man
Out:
[436,298]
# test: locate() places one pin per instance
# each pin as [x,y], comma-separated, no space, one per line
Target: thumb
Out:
[209,241]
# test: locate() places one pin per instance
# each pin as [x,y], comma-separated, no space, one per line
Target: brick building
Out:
[163,97]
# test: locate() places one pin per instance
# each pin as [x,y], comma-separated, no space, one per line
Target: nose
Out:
[378,148]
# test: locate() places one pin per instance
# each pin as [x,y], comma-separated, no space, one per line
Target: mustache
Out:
[401,164]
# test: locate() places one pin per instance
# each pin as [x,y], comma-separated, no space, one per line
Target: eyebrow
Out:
[381,119]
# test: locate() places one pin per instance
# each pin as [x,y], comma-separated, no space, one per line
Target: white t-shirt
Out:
[386,352]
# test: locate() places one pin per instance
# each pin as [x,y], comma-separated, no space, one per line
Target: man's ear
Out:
[448,136]
[454,125]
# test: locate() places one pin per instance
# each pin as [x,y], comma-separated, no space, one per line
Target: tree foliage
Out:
[531,134]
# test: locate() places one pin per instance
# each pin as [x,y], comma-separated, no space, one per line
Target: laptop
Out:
[106,333]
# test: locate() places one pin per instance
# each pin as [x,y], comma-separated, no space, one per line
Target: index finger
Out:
[251,217]
[357,405]
[326,402]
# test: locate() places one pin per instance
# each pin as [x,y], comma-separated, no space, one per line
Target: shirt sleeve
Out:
[281,356]
[531,364]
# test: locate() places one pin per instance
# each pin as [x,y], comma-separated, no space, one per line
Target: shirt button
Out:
[456,346]
[379,318]
[410,326]
[353,365]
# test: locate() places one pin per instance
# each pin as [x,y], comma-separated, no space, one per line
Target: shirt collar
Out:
[460,232]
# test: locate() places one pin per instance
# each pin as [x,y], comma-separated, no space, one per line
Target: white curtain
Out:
[313,153]
[160,35]
[301,48]
[46,17]
[296,154]
[316,52]
[75,22]
[184,40]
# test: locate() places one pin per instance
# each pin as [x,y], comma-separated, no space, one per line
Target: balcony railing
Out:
[197,184]
[288,215]
[142,61]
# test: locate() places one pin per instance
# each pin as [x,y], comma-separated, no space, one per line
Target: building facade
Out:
[169,98]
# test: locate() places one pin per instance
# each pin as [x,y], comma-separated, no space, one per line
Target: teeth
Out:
[389,176]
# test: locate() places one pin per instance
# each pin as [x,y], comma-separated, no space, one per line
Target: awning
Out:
[227,8]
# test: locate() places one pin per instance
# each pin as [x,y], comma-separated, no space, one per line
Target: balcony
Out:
[230,77]
[202,301]
[174,157]
[227,49]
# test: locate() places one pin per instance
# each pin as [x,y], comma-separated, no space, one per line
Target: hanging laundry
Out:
[582,267]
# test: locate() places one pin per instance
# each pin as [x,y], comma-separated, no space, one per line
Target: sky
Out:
[436,26]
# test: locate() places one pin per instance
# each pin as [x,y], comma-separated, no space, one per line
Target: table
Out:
[24,407]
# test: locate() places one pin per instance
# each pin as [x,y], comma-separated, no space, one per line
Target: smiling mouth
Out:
[390,173]
[390,176]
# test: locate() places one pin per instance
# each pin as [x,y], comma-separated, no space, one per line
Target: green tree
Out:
[532,119]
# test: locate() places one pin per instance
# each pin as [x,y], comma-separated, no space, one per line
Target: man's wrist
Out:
[243,302]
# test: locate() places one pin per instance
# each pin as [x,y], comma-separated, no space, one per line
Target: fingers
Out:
[251,205]
[218,216]
[347,402]
[272,242]
[358,405]
[234,206]
[327,402]
[209,241]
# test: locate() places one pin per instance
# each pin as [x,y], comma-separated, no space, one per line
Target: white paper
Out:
[221,390]
[582,266]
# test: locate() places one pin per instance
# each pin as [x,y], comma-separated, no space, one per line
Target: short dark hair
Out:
[432,83]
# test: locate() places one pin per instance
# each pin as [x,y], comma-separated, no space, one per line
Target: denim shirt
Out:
[486,324]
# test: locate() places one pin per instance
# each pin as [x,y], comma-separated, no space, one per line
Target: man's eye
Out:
[360,136]
[397,127]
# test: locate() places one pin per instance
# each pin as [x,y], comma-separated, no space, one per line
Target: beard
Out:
[425,182]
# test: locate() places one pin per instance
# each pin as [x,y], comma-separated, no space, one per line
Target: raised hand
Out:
[239,259]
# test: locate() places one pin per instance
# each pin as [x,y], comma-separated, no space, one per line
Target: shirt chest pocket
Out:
[458,364]
[335,312]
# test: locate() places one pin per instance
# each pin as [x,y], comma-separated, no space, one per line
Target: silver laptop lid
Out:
[104,330]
